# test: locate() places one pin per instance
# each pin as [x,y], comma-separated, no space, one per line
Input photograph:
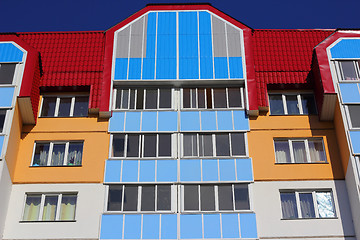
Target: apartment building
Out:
[180,122]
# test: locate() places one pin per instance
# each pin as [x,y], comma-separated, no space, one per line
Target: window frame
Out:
[66,153]
[57,105]
[348,115]
[314,201]
[299,103]
[173,200]
[5,124]
[42,205]
[339,70]
[14,77]
[306,143]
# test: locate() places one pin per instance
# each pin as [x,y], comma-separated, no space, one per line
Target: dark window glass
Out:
[354,111]
[2,119]
[288,205]
[241,197]
[140,99]
[238,144]
[130,198]
[191,197]
[150,145]
[308,104]
[148,198]
[219,97]
[164,197]
[115,198]
[164,145]
[225,197]
[7,71]
[193,98]
[64,107]
[41,154]
[75,154]
[190,145]
[276,104]
[151,99]
[292,104]
[299,151]
[207,198]
[118,145]
[132,99]
[222,145]
[186,98]
[81,106]
[118,99]
[348,70]
[125,99]
[282,151]
[48,107]
[209,101]
[201,98]
[165,98]
[132,145]
[58,154]
[205,145]
[307,205]
[234,97]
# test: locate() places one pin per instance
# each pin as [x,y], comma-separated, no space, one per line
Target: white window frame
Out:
[66,153]
[57,104]
[315,204]
[339,70]
[14,76]
[299,100]
[173,193]
[306,142]
[42,204]
[173,146]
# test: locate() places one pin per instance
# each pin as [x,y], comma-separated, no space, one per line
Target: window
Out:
[307,204]
[354,115]
[299,150]
[142,145]
[58,154]
[65,106]
[144,198]
[2,119]
[213,145]
[140,98]
[348,70]
[50,207]
[7,71]
[292,104]
[222,197]
[210,98]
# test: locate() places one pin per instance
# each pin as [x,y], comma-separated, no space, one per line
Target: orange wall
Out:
[264,129]
[96,146]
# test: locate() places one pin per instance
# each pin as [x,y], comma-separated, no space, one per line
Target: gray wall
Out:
[5,191]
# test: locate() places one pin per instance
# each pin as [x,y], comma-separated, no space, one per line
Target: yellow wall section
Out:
[261,148]
[95,151]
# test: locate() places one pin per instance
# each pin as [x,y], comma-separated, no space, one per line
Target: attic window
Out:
[349,70]
[7,71]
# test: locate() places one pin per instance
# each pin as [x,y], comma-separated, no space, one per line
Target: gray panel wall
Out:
[122,44]
[5,191]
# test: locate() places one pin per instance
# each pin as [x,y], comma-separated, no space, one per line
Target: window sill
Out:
[301,163]
[63,117]
[285,219]
[274,115]
[141,212]
[56,166]
[54,221]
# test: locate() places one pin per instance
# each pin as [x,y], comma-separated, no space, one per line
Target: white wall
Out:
[5,191]
[89,208]
[267,206]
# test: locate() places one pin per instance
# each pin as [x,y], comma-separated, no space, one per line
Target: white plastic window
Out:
[292,104]
[67,106]
[348,70]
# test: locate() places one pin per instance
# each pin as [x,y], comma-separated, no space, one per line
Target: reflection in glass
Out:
[241,197]
[325,204]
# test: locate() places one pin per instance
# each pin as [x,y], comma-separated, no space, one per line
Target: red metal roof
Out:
[284,56]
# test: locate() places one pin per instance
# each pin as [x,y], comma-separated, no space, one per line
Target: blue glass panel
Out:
[227,170]
[212,226]
[355,141]
[190,170]
[210,170]
[206,68]
[190,226]
[130,171]
[167,121]
[111,227]
[10,53]
[221,68]
[208,121]
[116,122]
[132,228]
[235,66]
[148,68]
[190,121]
[188,68]
[6,98]
[121,65]
[132,121]
[248,225]
[1,143]
[148,121]
[166,171]
[147,171]
[230,225]
[349,92]
[206,61]
[135,68]
[151,35]
[151,225]
[346,48]
[244,169]
[112,171]
[241,121]
[225,121]
[169,226]
[166,68]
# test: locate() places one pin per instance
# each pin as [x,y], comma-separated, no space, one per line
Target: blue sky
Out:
[83,15]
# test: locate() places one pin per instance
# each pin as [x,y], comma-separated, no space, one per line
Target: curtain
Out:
[75,154]
[44,156]
[317,153]
[299,151]
[58,154]
[288,205]
[307,205]
[32,208]
[325,204]
[68,205]
[50,208]
[282,152]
